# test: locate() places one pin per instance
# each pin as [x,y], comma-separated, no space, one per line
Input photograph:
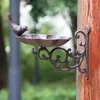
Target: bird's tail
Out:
[10,18]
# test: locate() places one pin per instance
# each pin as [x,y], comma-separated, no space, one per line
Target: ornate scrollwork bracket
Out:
[78,56]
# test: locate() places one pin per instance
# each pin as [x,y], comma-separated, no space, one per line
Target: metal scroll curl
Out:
[78,56]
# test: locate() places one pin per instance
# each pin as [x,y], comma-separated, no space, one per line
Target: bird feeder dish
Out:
[45,41]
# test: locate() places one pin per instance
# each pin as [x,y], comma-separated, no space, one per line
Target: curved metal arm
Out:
[78,56]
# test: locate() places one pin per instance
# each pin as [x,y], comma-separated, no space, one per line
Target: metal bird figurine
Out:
[19,30]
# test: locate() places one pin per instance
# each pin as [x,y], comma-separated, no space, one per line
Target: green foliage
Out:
[72,4]
[4,4]
[3,29]
[3,94]
[51,7]
[27,60]
[49,92]
[45,28]
[45,91]
[61,4]
[47,72]
[39,7]
[54,84]
[43,7]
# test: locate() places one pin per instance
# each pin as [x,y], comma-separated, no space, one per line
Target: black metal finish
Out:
[78,56]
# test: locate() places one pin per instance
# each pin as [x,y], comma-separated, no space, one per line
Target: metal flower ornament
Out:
[55,41]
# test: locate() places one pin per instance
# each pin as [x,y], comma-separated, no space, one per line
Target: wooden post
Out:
[89,14]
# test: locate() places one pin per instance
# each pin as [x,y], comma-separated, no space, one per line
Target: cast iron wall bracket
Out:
[79,56]
[49,40]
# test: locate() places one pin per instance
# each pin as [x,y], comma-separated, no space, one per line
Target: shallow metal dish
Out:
[43,39]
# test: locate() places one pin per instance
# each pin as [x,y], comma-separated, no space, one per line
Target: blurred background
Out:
[39,79]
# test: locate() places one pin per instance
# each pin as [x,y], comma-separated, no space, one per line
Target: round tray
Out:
[43,39]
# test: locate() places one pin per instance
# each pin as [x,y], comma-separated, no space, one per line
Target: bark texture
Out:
[89,14]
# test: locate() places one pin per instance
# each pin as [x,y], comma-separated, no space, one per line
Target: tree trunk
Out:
[3,59]
[89,14]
